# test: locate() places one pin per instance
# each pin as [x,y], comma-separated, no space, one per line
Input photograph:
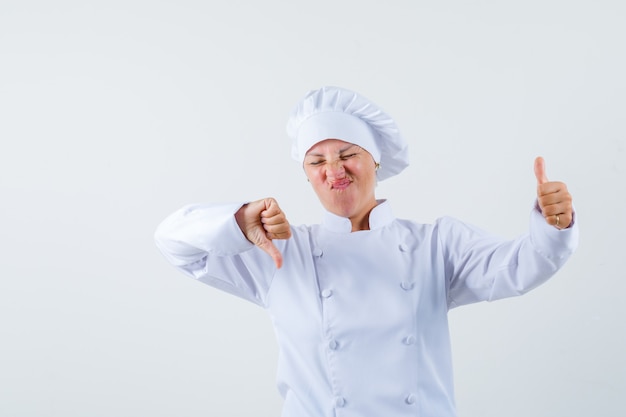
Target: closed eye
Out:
[344,157]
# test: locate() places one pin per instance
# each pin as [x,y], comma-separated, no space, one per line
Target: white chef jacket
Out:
[361,317]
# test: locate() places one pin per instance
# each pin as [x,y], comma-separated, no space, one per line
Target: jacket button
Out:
[333,344]
[340,401]
[327,293]
[409,340]
[403,247]
[410,399]
[317,252]
[406,285]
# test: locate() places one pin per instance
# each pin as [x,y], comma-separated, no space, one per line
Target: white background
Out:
[115,113]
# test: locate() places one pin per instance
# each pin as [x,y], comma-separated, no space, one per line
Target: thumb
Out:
[262,241]
[268,247]
[249,220]
[540,170]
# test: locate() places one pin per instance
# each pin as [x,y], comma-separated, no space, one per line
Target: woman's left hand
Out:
[553,198]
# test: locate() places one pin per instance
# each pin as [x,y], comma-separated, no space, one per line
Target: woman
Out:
[360,301]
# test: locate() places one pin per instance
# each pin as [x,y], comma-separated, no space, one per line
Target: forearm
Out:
[192,232]
[481,267]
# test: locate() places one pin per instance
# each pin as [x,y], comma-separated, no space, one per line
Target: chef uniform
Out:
[361,317]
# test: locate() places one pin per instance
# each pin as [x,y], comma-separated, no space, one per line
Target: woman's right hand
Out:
[261,221]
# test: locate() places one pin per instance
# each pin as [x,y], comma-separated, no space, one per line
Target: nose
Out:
[335,169]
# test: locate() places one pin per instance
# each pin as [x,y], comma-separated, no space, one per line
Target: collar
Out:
[380,216]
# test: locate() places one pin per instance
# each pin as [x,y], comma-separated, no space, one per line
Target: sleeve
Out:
[205,242]
[481,267]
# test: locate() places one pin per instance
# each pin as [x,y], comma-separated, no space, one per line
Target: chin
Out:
[342,211]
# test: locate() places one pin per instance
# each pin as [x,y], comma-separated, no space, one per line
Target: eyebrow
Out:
[340,151]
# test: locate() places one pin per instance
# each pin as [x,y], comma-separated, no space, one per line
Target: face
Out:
[343,176]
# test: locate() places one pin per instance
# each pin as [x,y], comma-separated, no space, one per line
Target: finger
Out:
[271,208]
[566,220]
[554,209]
[274,220]
[278,232]
[560,221]
[555,189]
[558,195]
[540,170]
[554,202]
[278,235]
[281,228]
[268,247]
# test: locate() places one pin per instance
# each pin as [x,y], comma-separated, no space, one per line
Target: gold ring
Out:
[557,221]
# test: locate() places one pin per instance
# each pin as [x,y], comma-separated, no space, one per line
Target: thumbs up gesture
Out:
[553,198]
[261,221]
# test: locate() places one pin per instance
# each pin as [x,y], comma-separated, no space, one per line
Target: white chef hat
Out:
[337,113]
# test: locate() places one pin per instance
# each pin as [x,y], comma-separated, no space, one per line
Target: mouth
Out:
[341,184]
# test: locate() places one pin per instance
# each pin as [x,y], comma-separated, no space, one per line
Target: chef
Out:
[359,302]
